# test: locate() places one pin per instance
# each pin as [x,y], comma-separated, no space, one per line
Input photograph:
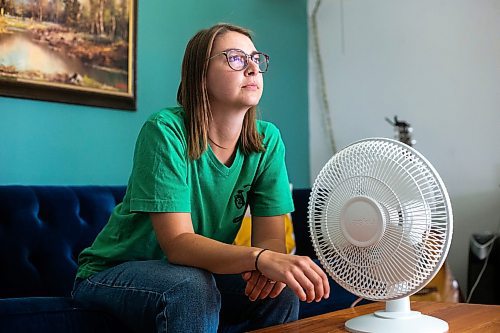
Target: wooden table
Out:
[461,317]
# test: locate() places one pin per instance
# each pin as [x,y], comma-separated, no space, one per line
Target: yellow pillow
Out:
[244,235]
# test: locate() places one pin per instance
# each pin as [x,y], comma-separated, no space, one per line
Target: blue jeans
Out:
[156,296]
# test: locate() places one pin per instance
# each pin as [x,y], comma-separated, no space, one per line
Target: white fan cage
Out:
[413,205]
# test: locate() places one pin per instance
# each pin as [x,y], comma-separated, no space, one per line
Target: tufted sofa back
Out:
[42,231]
[44,228]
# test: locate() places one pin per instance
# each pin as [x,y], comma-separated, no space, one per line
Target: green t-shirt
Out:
[165,179]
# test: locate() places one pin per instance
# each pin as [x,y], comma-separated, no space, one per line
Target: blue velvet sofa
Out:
[42,231]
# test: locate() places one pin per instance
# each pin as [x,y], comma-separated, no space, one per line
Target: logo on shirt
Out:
[240,201]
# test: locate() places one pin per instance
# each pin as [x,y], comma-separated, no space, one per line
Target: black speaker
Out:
[484,254]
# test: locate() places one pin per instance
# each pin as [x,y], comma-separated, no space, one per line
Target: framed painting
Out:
[70,51]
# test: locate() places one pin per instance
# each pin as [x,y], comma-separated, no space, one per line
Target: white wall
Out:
[435,64]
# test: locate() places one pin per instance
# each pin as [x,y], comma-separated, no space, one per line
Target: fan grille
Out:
[416,211]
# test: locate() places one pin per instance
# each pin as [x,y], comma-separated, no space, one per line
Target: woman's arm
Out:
[268,232]
[182,246]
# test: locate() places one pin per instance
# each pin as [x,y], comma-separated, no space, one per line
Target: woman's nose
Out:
[252,68]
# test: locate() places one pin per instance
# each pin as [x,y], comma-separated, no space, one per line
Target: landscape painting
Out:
[71,51]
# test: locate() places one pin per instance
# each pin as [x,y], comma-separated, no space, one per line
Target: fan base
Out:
[416,322]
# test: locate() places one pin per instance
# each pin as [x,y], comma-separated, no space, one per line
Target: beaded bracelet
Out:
[257,259]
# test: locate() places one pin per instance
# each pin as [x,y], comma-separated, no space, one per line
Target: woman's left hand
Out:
[260,287]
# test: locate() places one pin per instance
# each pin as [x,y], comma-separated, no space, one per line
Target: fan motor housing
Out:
[363,221]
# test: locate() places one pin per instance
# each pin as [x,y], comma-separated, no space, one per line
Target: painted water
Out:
[19,50]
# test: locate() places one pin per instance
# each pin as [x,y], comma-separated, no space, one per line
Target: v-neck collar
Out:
[221,167]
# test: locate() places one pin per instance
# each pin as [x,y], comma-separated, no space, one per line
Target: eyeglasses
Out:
[238,60]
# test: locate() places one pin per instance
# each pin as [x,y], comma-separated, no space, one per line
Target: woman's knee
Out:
[196,283]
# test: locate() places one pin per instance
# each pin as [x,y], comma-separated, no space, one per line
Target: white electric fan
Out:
[381,224]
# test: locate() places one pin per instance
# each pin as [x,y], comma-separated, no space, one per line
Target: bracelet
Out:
[257,259]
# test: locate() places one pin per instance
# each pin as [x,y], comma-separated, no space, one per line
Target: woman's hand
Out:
[260,287]
[307,280]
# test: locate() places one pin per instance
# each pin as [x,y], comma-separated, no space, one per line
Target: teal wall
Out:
[44,143]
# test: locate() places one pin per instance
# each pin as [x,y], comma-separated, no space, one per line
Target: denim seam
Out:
[124,287]
[96,283]
[164,312]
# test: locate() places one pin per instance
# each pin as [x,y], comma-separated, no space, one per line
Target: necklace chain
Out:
[215,143]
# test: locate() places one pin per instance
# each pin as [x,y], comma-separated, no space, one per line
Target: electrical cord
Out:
[491,244]
[359,299]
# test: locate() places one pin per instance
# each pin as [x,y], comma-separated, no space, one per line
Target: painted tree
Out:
[41,6]
[71,12]
[32,8]
[56,9]
[123,19]
[106,18]
[6,6]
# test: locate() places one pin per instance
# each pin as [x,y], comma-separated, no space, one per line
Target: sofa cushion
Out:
[53,314]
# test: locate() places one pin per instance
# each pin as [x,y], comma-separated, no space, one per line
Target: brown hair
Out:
[192,94]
